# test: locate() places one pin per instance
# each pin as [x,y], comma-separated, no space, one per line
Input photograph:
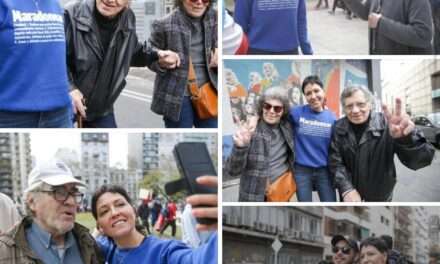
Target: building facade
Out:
[249,232]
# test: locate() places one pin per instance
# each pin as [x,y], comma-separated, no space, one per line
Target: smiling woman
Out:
[125,242]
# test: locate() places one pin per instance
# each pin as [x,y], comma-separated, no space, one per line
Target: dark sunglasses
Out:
[276,108]
[344,250]
[203,1]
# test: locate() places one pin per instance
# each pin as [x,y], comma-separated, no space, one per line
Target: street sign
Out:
[277,245]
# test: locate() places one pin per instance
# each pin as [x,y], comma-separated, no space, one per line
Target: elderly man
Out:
[396,26]
[191,31]
[49,233]
[101,46]
[345,250]
[363,145]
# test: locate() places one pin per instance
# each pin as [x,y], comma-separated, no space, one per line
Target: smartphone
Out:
[193,160]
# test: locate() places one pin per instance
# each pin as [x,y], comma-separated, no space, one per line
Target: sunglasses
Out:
[203,1]
[276,108]
[344,250]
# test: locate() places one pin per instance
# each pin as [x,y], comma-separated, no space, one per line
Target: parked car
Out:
[430,126]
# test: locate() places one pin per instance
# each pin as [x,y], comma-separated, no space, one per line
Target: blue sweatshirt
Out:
[312,134]
[274,25]
[33,75]
[155,250]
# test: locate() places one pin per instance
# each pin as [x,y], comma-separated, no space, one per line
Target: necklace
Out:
[36,4]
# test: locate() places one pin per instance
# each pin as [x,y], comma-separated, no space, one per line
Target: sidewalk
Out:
[335,34]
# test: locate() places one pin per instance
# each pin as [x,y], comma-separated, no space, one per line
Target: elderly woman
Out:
[125,242]
[263,159]
[374,251]
[191,31]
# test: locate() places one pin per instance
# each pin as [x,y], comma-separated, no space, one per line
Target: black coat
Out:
[369,166]
[100,74]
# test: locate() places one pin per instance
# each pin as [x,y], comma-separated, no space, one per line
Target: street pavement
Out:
[132,108]
[335,34]
[412,186]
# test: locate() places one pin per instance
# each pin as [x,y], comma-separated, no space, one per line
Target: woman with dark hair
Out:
[191,31]
[263,159]
[312,125]
[125,242]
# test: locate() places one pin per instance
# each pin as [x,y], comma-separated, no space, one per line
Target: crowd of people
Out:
[402,27]
[48,233]
[61,67]
[353,155]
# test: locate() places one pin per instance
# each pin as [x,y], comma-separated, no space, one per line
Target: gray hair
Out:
[31,194]
[350,90]
[274,93]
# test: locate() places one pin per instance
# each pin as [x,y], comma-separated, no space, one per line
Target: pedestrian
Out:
[170,218]
[101,46]
[361,155]
[144,213]
[10,215]
[155,209]
[396,26]
[318,5]
[123,242]
[340,3]
[394,256]
[34,87]
[263,158]
[274,27]
[345,250]
[312,125]
[191,31]
[49,234]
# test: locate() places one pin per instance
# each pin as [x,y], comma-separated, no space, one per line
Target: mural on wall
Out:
[245,80]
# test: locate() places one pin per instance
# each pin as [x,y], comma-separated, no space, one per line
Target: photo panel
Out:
[368,130]
[331,234]
[104,187]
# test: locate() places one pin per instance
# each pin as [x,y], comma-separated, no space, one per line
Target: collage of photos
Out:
[219,131]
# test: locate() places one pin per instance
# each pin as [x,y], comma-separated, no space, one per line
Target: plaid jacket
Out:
[173,32]
[251,163]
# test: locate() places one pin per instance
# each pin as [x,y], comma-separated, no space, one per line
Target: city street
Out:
[132,108]
[412,186]
[335,34]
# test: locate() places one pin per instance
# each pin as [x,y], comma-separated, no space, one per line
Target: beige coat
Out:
[10,215]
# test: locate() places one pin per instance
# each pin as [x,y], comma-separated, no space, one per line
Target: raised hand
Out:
[168,59]
[243,135]
[399,123]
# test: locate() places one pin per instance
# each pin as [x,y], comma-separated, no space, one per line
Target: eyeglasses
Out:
[203,1]
[61,195]
[344,250]
[359,105]
[276,108]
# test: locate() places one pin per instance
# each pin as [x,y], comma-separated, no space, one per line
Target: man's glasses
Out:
[61,195]
[276,108]
[203,1]
[344,250]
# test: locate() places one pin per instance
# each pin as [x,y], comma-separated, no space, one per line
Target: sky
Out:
[45,144]
[391,69]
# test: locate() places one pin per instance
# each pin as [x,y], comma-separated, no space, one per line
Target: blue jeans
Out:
[58,118]
[107,121]
[307,178]
[188,118]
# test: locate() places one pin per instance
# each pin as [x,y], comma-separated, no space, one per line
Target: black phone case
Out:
[193,161]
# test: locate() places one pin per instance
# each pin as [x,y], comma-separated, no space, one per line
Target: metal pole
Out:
[276,258]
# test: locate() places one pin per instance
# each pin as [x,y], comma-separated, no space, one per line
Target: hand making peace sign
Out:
[399,123]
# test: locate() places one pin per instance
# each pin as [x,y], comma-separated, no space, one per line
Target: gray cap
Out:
[54,173]
[351,242]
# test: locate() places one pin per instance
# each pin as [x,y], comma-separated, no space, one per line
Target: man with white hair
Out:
[49,234]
